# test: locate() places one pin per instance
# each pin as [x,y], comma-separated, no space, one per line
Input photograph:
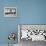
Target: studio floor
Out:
[34,43]
[28,43]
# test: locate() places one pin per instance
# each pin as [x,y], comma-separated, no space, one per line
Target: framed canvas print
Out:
[32,32]
[10,11]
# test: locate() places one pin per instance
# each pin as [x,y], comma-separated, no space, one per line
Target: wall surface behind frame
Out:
[29,12]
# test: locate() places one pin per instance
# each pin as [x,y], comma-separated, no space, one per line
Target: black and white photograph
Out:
[30,34]
[10,11]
